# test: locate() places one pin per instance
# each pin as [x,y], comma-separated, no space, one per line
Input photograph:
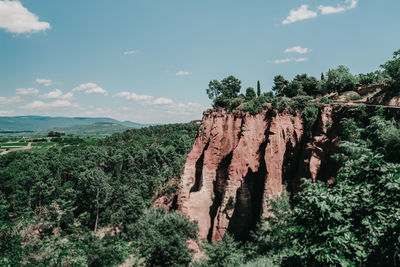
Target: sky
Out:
[150,61]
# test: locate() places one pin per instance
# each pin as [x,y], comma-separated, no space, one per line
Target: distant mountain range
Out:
[45,123]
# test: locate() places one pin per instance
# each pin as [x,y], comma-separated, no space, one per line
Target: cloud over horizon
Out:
[287,60]
[90,88]
[26,91]
[49,105]
[57,94]
[15,18]
[45,82]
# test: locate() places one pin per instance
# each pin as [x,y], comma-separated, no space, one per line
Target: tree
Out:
[322,76]
[279,84]
[258,89]
[225,252]
[162,236]
[310,85]
[292,89]
[340,80]
[392,69]
[97,191]
[250,94]
[221,92]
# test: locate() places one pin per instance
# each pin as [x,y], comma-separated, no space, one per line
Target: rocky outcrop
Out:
[240,161]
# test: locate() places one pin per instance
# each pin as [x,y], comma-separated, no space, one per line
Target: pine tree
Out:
[258,88]
[322,76]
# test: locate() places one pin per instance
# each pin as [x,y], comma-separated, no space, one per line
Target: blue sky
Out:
[150,61]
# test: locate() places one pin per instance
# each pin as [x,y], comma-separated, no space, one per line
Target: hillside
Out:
[45,123]
[98,128]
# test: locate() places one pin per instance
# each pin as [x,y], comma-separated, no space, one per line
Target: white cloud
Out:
[9,100]
[131,52]
[45,82]
[302,59]
[298,49]
[49,105]
[90,88]
[26,91]
[163,101]
[15,18]
[287,60]
[326,10]
[183,73]
[284,60]
[300,14]
[7,112]
[57,94]
[133,96]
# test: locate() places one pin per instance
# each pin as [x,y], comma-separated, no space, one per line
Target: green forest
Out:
[89,203]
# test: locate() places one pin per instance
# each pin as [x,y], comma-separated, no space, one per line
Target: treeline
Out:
[226,93]
[87,204]
[352,220]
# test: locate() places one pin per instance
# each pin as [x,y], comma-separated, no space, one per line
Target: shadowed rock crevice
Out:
[249,201]
[199,172]
[219,188]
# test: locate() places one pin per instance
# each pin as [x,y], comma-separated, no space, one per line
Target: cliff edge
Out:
[239,161]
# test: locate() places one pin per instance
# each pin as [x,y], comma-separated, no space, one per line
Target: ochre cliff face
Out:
[240,161]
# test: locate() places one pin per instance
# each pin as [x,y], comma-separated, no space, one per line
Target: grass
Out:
[43,144]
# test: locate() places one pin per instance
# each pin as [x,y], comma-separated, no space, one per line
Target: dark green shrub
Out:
[309,116]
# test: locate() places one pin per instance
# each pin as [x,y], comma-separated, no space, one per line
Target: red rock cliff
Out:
[239,161]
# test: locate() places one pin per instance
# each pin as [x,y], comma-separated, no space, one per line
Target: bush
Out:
[325,100]
[339,80]
[161,238]
[299,102]
[223,253]
[309,115]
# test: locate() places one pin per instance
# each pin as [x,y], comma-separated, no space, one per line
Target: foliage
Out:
[292,89]
[161,238]
[279,84]
[223,253]
[51,200]
[309,116]
[310,85]
[221,92]
[339,80]
[250,94]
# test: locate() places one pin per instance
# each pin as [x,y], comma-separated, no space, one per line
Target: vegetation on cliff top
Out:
[286,94]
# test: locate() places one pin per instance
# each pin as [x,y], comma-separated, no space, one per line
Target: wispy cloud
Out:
[287,60]
[9,100]
[15,18]
[163,101]
[57,94]
[26,91]
[326,10]
[49,105]
[90,88]
[299,14]
[133,96]
[131,52]
[298,49]
[45,82]
[183,73]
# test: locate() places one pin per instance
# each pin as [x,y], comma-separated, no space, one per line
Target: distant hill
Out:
[44,123]
[97,128]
